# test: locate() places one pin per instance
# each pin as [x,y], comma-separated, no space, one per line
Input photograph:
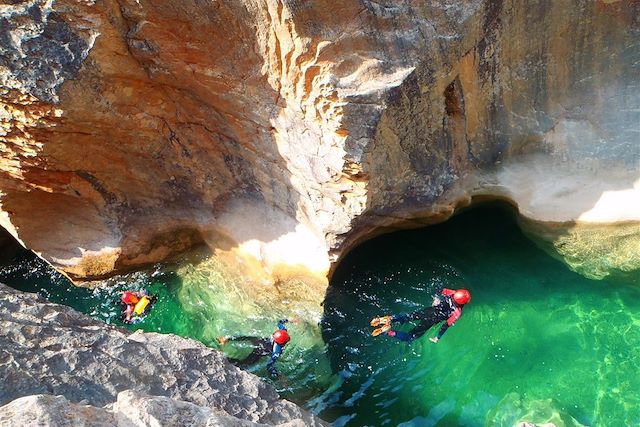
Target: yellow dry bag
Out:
[141,305]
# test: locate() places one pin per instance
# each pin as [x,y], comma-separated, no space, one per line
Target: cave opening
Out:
[538,342]
[22,269]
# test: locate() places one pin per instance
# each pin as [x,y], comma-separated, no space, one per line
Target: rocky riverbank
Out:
[60,367]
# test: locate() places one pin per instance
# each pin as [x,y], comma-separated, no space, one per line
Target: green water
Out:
[537,342]
[193,300]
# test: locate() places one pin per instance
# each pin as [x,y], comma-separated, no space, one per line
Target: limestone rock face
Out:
[47,410]
[51,349]
[131,409]
[287,131]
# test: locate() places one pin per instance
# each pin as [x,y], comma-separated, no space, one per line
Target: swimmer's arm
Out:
[450,321]
[281,324]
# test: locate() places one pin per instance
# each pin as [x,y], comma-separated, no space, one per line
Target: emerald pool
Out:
[538,342]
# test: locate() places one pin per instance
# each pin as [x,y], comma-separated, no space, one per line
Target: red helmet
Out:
[129,297]
[461,296]
[281,336]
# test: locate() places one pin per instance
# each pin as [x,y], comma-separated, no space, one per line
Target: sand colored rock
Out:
[284,132]
[47,410]
[596,251]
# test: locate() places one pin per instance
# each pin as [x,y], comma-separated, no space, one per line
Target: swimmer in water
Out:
[447,309]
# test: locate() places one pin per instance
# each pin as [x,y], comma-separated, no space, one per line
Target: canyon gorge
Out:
[282,133]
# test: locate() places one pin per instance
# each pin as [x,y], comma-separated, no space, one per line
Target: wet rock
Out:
[516,410]
[53,350]
[596,251]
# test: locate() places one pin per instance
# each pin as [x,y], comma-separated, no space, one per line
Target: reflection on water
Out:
[538,342]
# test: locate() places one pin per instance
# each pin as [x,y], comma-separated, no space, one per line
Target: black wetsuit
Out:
[261,347]
[447,310]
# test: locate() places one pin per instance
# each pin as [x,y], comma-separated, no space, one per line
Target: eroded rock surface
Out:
[517,410]
[288,131]
[131,409]
[51,349]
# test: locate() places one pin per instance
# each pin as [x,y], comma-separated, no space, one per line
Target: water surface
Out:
[537,342]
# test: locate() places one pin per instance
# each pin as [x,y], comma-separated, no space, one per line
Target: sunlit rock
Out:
[131,409]
[45,409]
[593,250]
[132,130]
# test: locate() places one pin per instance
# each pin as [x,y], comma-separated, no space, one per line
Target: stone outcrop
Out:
[58,364]
[130,410]
[285,132]
[517,410]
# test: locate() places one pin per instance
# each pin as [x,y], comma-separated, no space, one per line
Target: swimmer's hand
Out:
[436,301]
[222,340]
[434,339]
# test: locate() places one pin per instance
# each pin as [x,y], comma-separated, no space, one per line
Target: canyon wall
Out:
[282,133]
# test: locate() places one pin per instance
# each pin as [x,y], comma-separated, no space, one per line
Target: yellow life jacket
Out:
[141,305]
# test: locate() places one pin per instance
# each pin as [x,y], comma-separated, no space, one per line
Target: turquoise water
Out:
[537,342]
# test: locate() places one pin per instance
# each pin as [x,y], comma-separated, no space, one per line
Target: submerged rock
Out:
[594,250]
[51,349]
[515,410]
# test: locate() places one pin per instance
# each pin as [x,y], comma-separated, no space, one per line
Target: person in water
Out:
[272,347]
[136,305]
[447,309]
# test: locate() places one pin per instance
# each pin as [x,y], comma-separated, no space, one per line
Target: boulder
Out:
[52,350]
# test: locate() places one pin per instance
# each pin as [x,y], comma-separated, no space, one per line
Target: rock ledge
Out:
[70,361]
